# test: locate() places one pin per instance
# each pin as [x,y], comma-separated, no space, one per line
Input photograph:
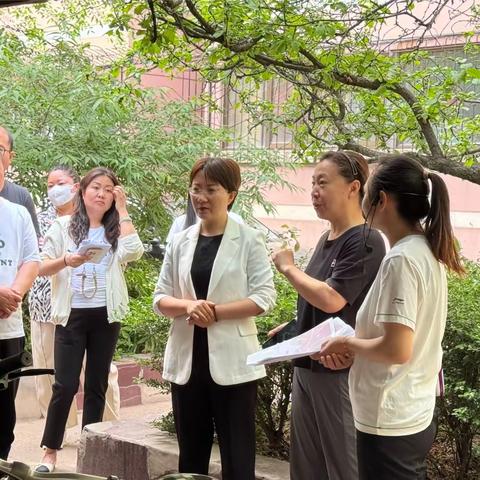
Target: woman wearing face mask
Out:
[62,184]
[89,299]
[215,279]
[400,325]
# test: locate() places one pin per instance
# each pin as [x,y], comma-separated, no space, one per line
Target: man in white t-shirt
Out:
[19,263]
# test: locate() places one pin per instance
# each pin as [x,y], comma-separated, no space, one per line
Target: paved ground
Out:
[28,432]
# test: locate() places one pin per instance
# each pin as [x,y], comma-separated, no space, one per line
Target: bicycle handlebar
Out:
[11,368]
[21,471]
[15,362]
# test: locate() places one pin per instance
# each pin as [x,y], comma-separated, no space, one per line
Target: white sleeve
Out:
[400,289]
[261,289]
[30,241]
[53,244]
[130,248]
[177,226]
[164,287]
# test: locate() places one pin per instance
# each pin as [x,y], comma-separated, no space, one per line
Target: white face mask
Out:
[60,194]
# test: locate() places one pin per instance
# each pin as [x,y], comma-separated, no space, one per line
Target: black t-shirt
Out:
[349,267]
[201,271]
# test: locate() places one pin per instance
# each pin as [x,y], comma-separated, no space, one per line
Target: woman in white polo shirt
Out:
[400,325]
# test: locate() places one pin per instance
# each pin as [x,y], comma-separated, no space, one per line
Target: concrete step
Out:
[136,450]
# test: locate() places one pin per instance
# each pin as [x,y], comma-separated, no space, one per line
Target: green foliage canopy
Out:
[62,109]
[350,86]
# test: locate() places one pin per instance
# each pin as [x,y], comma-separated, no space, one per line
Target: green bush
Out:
[142,330]
[459,410]
[274,391]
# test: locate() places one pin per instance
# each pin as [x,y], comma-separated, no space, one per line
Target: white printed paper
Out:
[307,343]
[94,250]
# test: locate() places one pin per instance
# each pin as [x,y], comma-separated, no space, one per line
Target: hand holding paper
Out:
[95,251]
[335,354]
[308,343]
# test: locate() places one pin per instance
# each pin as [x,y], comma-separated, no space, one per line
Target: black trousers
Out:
[201,407]
[394,458]
[87,331]
[8,416]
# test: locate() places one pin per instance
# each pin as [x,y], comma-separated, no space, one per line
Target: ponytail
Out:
[438,228]
[407,180]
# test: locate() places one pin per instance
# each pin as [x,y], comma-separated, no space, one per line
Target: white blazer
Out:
[241,270]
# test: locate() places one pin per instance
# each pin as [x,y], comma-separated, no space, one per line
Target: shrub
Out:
[274,391]
[459,410]
[142,330]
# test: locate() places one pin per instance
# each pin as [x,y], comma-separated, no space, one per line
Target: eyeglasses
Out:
[208,192]
[3,150]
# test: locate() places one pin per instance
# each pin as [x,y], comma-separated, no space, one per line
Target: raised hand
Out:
[120,199]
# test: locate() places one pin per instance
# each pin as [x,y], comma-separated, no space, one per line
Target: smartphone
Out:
[286,333]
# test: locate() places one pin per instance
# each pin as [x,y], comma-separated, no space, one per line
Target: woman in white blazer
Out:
[216,277]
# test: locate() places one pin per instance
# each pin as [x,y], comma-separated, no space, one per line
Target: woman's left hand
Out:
[120,199]
[283,259]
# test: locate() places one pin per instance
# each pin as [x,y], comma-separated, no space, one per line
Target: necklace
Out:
[84,277]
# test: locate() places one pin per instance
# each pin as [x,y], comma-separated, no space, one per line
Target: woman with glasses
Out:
[334,284]
[400,325]
[215,279]
[84,254]
[62,184]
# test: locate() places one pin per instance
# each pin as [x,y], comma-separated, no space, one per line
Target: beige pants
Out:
[43,336]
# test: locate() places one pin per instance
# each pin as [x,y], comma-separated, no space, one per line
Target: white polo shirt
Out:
[410,289]
[18,245]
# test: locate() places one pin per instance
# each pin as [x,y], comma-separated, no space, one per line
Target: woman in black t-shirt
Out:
[216,277]
[334,283]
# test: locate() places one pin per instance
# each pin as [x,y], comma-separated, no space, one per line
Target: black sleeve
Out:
[357,266]
[27,202]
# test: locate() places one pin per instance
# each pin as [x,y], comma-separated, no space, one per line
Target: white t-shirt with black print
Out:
[18,245]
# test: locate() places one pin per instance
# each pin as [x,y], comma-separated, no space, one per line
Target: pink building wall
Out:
[294,209]
[181,86]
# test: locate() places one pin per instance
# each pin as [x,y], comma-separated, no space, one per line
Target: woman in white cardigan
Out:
[216,277]
[89,298]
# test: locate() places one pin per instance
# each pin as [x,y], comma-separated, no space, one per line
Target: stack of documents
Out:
[303,345]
